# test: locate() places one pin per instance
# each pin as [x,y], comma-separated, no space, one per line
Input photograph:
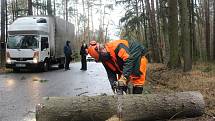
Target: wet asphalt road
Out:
[20,92]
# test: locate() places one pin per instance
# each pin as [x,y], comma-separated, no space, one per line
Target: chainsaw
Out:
[120,88]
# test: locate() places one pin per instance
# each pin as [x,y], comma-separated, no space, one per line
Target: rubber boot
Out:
[137,90]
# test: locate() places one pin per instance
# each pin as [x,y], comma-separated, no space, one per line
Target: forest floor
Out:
[201,78]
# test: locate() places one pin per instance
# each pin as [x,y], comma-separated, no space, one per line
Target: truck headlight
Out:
[8,60]
[35,60]
[36,57]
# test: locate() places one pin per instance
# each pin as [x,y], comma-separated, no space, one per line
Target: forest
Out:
[176,32]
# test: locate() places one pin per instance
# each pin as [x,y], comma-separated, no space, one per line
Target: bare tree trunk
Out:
[185,35]
[54,8]
[173,34]
[37,7]
[214,32]
[66,8]
[159,41]
[84,36]
[13,10]
[150,31]
[16,8]
[49,7]
[134,107]
[88,22]
[155,48]
[195,50]
[138,30]
[6,23]
[30,7]
[207,31]
[145,25]
[91,12]
[41,8]
[200,38]
[163,12]
[2,48]
[44,7]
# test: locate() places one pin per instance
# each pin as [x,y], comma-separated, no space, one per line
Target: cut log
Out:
[130,107]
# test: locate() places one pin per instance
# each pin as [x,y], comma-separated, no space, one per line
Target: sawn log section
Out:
[134,107]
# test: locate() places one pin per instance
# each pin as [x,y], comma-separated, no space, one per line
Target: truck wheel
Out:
[61,66]
[61,63]
[45,66]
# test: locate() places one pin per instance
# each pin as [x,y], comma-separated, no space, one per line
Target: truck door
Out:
[45,50]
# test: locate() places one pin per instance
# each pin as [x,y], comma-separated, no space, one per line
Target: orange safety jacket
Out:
[125,59]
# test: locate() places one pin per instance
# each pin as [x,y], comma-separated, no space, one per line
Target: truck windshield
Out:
[23,42]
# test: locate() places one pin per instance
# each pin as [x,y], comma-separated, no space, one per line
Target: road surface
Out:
[20,92]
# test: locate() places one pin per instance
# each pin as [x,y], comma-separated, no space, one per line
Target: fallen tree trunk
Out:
[134,107]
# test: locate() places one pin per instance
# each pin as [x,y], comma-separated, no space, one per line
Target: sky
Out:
[112,17]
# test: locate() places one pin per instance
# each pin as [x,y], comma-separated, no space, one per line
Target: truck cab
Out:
[27,51]
[36,42]
[28,44]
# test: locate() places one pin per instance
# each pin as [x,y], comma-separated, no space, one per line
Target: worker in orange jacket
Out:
[124,62]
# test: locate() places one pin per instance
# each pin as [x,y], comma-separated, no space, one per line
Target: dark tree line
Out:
[177,32]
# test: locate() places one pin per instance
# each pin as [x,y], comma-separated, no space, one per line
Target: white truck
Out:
[36,42]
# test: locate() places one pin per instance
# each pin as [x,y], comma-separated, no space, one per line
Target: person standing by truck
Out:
[68,53]
[83,54]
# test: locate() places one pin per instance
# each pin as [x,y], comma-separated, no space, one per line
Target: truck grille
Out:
[21,59]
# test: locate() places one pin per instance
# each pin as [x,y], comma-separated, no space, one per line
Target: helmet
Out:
[93,50]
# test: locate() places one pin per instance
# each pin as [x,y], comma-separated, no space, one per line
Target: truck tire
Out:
[45,67]
[61,63]
[17,70]
[61,66]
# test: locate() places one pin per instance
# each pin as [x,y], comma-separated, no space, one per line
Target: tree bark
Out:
[155,46]
[54,8]
[37,4]
[84,29]
[207,29]
[3,16]
[185,34]
[150,31]
[66,9]
[195,50]
[134,107]
[145,41]
[13,10]
[159,41]
[30,7]
[214,32]
[49,7]
[164,27]
[173,34]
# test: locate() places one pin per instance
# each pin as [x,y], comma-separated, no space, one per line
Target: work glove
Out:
[122,85]
[123,81]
